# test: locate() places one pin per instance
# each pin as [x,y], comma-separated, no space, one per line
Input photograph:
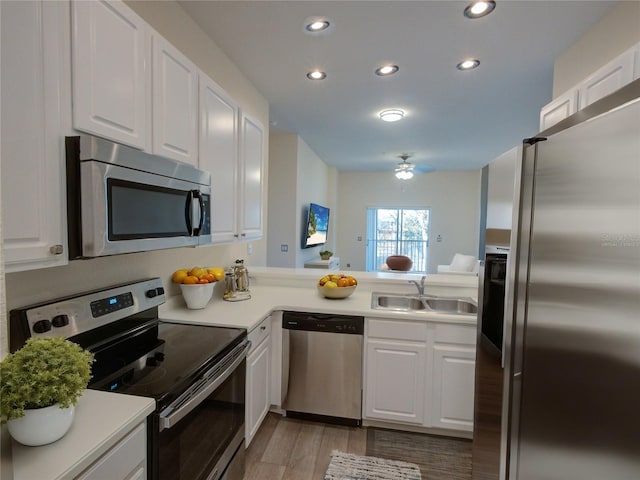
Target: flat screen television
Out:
[317,226]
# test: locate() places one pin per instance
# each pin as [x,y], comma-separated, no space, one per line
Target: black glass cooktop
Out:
[162,360]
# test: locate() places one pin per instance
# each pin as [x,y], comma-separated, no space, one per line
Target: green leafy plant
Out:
[326,254]
[44,372]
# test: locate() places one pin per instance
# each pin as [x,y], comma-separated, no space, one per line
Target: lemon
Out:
[217,272]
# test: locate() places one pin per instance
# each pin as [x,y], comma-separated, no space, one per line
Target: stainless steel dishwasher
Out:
[322,367]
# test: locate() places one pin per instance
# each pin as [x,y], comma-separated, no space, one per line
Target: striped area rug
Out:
[346,466]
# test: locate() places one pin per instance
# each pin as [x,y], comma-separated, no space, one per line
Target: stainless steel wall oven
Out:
[196,374]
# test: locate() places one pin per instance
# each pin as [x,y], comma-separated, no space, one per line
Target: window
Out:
[397,231]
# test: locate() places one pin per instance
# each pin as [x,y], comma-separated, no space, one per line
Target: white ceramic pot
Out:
[197,296]
[41,426]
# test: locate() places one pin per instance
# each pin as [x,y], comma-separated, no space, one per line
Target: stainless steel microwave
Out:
[122,200]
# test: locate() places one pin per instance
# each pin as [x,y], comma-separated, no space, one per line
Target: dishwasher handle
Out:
[323,322]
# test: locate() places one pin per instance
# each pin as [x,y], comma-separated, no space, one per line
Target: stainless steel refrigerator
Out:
[571,396]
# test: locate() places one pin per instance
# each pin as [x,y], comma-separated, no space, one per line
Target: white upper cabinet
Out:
[607,79]
[614,75]
[219,155]
[34,53]
[111,78]
[252,177]
[559,109]
[175,103]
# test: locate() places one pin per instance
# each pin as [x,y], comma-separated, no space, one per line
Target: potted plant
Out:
[39,386]
[326,254]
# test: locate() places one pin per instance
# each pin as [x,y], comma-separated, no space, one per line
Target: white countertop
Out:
[101,420]
[265,299]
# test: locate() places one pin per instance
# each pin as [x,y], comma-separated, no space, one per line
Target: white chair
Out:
[461,265]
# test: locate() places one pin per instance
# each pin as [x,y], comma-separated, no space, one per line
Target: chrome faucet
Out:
[419,286]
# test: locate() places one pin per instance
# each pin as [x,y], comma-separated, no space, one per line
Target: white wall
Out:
[500,189]
[170,20]
[453,196]
[615,33]
[297,177]
[315,180]
[283,207]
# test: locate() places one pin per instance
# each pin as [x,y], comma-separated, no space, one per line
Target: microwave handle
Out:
[190,214]
[197,195]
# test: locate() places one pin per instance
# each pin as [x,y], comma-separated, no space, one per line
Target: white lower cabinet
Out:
[420,373]
[453,381]
[127,460]
[395,370]
[258,386]
[395,381]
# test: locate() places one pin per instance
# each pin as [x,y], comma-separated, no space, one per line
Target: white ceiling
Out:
[454,120]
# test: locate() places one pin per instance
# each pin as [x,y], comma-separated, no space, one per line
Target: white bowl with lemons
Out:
[337,285]
[197,285]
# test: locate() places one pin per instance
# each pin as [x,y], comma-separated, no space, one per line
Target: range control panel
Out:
[80,313]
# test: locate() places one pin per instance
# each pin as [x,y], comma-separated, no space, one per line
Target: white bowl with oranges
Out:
[337,285]
[197,285]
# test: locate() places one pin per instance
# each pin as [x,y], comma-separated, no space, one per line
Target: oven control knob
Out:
[152,362]
[42,326]
[152,293]
[155,360]
[160,290]
[60,321]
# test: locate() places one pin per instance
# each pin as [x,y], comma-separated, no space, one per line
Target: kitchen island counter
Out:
[102,419]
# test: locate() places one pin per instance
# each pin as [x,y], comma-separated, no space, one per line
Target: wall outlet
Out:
[284,247]
[249,248]
[439,239]
[359,238]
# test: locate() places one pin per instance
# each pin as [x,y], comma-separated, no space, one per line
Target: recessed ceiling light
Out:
[316,24]
[387,70]
[468,64]
[316,75]
[391,115]
[479,9]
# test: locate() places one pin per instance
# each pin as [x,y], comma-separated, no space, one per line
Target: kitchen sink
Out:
[399,303]
[423,303]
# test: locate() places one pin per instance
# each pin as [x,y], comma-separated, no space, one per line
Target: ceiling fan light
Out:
[404,174]
[391,115]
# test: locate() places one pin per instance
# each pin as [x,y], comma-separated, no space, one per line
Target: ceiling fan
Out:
[404,170]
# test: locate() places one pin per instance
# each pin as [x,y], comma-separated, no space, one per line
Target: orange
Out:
[343,282]
[190,280]
[179,276]
[203,281]
[209,277]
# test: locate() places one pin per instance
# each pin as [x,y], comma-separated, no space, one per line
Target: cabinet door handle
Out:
[263,327]
[56,249]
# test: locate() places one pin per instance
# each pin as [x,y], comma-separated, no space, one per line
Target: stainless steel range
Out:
[195,373]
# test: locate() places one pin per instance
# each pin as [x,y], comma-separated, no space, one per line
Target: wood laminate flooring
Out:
[291,449]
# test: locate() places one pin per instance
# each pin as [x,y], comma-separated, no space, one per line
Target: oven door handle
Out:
[170,416]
